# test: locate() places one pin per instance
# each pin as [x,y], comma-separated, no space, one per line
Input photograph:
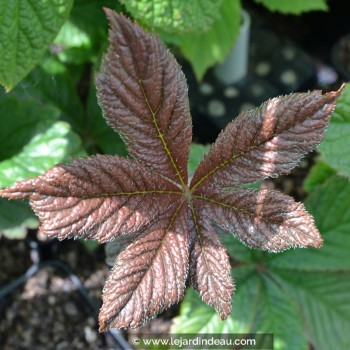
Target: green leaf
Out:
[175,15]
[236,249]
[89,244]
[279,315]
[81,37]
[294,7]
[206,49]
[33,139]
[197,153]
[27,27]
[52,82]
[323,300]
[259,306]
[196,317]
[318,174]
[330,206]
[15,217]
[336,145]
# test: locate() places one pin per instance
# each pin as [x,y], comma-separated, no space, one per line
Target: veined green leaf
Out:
[26,30]
[259,306]
[294,7]
[175,15]
[323,300]
[32,144]
[330,205]
[336,145]
[197,317]
[278,314]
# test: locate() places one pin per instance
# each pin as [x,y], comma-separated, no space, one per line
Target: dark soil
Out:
[48,311]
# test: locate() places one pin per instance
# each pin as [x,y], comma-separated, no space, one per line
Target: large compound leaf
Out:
[143,94]
[27,27]
[330,205]
[266,142]
[336,145]
[204,50]
[294,7]
[175,15]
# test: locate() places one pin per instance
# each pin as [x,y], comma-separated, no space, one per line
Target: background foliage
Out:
[49,52]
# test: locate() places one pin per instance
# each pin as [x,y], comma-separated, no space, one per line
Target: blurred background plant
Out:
[49,53]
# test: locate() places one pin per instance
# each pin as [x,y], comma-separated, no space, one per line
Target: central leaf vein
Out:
[154,116]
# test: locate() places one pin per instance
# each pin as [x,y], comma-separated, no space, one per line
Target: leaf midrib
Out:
[116,194]
[235,156]
[148,269]
[154,113]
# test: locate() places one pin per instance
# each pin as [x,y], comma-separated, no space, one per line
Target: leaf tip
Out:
[333,95]
[317,243]
[103,325]
[19,190]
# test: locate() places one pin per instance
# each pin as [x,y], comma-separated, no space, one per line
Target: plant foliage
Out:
[336,146]
[295,7]
[27,28]
[175,15]
[202,49]
[143,94]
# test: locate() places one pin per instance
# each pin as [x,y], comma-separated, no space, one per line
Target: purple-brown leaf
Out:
[264,219]
[210,269]
[143,95]
[266,142]
[98,197]
[149,275]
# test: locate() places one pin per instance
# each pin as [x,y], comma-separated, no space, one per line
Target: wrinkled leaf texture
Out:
[143,94]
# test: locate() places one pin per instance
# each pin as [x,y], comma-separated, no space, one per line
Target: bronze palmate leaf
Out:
[143,94]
